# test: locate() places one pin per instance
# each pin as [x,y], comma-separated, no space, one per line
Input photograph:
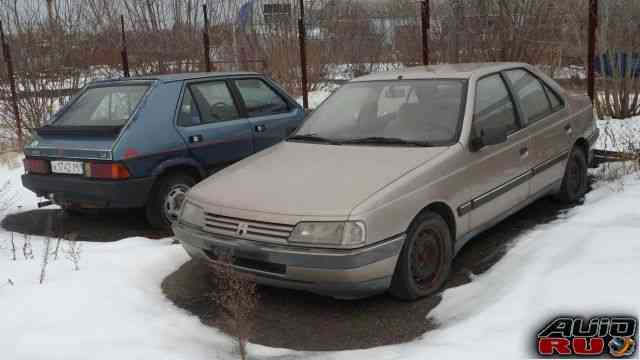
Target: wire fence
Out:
[62,46]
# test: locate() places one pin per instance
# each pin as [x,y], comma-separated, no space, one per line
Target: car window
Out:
[103,106]
[189,114]
[214,102]
[260,99]
[494,107]
[553,98]
[424,111]
[528,89]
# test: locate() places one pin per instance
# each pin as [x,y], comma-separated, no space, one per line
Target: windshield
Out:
[103,106]
[427,112]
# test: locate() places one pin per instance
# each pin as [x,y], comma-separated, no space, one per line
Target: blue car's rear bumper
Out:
[78,191]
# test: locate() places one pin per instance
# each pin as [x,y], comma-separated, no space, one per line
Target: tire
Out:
[575,180]
[428,242]
[166,197]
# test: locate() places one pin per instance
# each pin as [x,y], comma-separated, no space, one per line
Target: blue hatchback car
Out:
[143,142]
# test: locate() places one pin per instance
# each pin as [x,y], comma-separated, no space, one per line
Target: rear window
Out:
[103,106]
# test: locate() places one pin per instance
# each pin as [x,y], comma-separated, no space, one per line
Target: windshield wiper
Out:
[314,138]
[385,141]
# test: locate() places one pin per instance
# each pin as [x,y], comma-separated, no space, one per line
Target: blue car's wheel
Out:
[166,199]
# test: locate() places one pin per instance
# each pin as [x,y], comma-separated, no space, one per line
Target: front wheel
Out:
[166,199]
[575,180]
[425,261]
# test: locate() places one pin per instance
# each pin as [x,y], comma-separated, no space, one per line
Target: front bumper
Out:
[79,191]
[339,273]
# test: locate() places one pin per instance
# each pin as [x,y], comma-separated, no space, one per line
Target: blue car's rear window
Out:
[103,106]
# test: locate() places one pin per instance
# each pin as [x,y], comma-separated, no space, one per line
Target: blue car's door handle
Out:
[260,128]
[195,139]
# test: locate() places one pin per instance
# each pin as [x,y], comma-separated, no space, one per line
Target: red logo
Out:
[614,336]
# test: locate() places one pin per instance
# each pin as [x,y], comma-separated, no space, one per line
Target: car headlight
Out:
[191,214]
[347,234]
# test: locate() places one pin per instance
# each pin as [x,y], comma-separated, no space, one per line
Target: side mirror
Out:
[489,136]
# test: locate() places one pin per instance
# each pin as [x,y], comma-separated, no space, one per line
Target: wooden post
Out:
[205,40]
[591,51]
[303,56]
[125,55]
[12,85]
[425,31]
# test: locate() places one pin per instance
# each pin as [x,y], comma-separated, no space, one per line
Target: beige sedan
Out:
[384,183]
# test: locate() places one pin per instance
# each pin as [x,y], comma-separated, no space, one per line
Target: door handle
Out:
[524,151]
[194,139]
[261,128]
[568,129]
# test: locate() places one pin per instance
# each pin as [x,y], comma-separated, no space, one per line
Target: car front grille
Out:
[246,229]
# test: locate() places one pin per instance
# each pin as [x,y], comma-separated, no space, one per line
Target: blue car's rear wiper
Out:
[314,138]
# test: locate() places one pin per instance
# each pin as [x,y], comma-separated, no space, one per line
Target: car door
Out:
[271,116]
[499,174]
[545,116]
[211,125]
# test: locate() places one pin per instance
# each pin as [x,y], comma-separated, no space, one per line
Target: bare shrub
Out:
[8,283]
[72,251]
[27,248]
[237,297]
[46,252]
[13,247]
[619,87]
[45,259]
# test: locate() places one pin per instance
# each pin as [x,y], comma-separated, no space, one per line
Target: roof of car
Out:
[181,76]
[458,71]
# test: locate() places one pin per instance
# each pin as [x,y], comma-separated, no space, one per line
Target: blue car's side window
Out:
[260,99]
[215,102]
[189,114]
[207,103]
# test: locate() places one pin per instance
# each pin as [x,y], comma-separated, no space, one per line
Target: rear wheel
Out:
[425,261]
[166,199]
[575,180]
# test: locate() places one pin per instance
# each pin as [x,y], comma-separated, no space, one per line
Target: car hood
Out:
[305,179]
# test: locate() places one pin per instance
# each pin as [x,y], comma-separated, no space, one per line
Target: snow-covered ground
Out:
[585,262]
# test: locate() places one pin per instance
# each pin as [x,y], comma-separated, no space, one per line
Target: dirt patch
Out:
[100,226]
[303,321]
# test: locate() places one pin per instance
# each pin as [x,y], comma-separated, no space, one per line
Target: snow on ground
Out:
[619,135]
[585,262]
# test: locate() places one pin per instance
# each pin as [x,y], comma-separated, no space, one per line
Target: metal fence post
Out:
[12,84]
[426,22]
[205,40]
[593,24]
[303,56]
[125,55]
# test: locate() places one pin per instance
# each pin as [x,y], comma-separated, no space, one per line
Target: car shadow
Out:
[92,226]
